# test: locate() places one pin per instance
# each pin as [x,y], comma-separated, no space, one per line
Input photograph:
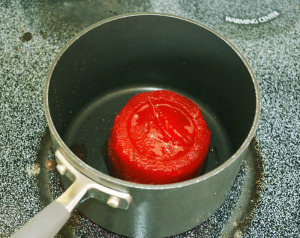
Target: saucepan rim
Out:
[99,176]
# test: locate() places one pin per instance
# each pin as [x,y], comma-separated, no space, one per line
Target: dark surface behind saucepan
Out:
[33,32]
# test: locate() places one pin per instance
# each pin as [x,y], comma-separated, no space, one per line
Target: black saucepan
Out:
[93,78]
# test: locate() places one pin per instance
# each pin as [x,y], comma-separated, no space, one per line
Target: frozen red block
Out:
[159,137]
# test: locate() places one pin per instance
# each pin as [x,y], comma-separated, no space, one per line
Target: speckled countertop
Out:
[266,33]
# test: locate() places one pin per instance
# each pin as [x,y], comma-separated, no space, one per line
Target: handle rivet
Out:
[62,169]
[113,201]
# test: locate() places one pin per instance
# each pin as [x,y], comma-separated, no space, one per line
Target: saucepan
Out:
[94,76]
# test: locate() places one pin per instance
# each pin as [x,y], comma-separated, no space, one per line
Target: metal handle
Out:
[45,224]
[48,222]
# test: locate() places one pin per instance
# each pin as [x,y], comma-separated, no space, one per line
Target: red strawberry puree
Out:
[159,137]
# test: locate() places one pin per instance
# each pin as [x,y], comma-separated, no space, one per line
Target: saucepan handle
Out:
[50,220]
[46,224]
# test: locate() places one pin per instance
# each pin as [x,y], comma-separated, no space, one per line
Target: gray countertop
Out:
[265,32]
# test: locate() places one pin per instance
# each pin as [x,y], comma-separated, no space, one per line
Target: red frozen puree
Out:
[159,137]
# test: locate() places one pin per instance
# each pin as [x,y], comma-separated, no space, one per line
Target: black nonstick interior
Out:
[102,69]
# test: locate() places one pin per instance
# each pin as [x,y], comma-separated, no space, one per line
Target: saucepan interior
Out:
[101,70]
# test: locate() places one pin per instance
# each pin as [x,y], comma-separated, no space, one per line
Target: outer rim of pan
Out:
[100,177]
